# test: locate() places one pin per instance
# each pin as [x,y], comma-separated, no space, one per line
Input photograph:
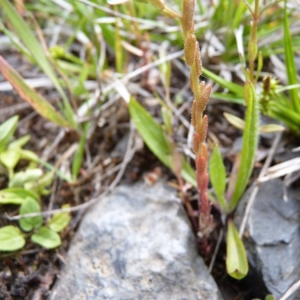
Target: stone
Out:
[136,243]
[272,236]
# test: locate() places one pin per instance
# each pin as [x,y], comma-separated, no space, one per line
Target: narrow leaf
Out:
[9,158]
[217,174]
[46,238]
[19,143]
[270,128]
[233,87]
[30,206]
[250,141]
[235,121]
[229,97]
[38,102]
[236,260]
[7,129]
[29,155]
[118,49]
[78,157]
[156,139]
[11,238]
[290,60]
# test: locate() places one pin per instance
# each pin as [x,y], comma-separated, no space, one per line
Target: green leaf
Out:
[38,54]
[250,141]
[118,49]
[19,143]
[15,195]
[7,130]
[9,158]
[232,87]
[188,173]
[285,114]
[39,185]
[290,60]
[167,118]
[78,157]
[46,238]
[22,177]
[228,97]
[259,65]
[155,138]
[270,297]
[217,174]
[15,41]
[29,155]
[236,260]
[11,238]
[59,221]
[37,101]
[30,206]
[234,121]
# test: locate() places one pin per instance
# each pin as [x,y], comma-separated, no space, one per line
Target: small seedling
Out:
[25,188]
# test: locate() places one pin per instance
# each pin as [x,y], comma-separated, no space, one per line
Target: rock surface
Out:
[273,239]
[135,244]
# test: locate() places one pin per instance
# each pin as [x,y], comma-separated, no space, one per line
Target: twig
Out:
[212,262]
[61,134]
[178,114]
[130,151]
[59,210]
[65,156]
[282,169]
[255,190]
[291,290]
[53,193]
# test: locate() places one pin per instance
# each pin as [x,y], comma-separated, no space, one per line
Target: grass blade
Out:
[232,87]
[38,55]
[39,103]
[228,97]
[217,174]
[290,61]
[250,141]
[155,138]
[78,157]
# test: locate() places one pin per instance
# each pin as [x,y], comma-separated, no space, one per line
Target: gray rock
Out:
[135,244]
[273,239]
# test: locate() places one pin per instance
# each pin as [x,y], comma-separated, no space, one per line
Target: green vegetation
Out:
[25,188]
[112,38]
